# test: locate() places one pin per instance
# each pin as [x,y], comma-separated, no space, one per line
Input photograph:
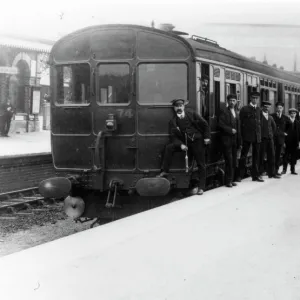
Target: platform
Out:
[238,243]
[25,143]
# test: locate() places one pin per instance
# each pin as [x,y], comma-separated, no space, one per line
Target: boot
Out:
[293,170]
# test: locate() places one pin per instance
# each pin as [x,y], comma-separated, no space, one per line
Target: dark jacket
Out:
[250,119]
[177,137]
[281,128]
[271,126]
[226,124]
[293,134]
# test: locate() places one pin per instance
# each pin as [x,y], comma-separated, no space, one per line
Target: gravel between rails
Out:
[35,227]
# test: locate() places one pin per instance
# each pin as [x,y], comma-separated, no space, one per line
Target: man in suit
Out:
[268,129]
[281,122]
[292,142]
[229,125]
[188,131]
[250,120]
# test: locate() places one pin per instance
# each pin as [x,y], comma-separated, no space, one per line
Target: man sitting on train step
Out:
[268,129]
[188,131]
[250,117]
[229,124]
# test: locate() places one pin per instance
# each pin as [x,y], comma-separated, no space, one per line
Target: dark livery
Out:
[111,88]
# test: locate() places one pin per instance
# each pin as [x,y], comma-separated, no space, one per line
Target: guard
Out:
[188,131]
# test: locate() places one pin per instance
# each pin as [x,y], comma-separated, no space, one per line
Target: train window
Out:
[262,82]
[249,79]
[73,84]
[217,97]
[160,83]
[113,84]
[216,72]
[274,85]
[272,99]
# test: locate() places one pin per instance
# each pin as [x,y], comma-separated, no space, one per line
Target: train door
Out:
[157,84]
[114,113]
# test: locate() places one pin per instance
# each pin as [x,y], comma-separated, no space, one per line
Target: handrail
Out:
[97,166]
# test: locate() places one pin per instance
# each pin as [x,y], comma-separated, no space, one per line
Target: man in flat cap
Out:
[229,124]
[204,95]
[292,142]
[268,129]
[281,122]
[188,132]
[250,118]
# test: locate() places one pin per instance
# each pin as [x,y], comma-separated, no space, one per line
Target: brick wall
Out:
[20,172]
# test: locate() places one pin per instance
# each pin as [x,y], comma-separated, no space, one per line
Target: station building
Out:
[22,63]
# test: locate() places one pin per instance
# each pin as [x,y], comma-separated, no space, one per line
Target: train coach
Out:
[111,87]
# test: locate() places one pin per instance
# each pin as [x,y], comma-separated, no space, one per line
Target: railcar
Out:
[111,87]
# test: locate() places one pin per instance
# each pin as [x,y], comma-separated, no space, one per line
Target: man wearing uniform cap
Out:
[268,129]
[292,142]
[250,118]
[281,122]
[229,124]
[188,132]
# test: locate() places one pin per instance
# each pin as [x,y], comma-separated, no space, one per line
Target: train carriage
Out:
[111,88]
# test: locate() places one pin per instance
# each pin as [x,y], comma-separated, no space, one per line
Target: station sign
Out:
[9,70]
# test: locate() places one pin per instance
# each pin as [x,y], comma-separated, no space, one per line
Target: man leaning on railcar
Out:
[188,131]
[229,124]
[281,121]
[250,118]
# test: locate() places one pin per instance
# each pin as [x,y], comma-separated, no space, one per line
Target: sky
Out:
[55,18]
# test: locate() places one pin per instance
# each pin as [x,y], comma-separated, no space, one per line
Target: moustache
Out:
[179,111]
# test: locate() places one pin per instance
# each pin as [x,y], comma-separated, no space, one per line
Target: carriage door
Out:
[114,102]
[157,84]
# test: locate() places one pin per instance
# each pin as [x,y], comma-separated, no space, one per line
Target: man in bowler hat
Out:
[229,124]
[188,132]
[250,118]
[292,142]
[281,122]
[268,129]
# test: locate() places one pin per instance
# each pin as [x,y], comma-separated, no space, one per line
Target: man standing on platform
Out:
[268,129]
[229,124]
[279,138]
[188,131]
[6,118]
[292,142]
[250,118]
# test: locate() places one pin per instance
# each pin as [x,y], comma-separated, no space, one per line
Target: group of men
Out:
[6,113]
[267,134]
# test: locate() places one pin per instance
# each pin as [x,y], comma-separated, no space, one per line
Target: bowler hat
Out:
[231,96]
[279,104]
[266,103]
[255,94]
[174,101]
[293,110]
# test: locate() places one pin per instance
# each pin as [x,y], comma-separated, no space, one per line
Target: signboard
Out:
[9,70]
[36,101]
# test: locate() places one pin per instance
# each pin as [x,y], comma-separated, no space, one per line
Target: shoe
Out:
[283,172]
[200,192]
[275,176]
[233,184]
[294,173]
[229,185]
[162,174]
[259,179]
[238,179]
[278,174]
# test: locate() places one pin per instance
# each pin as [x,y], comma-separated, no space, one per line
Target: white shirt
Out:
[266,115]
[252,105]
[279,115]
[233,111]
[181,116]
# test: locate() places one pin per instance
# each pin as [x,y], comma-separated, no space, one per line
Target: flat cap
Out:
[267,103]
[174,101]
[231,96]
[293,110]
[279,104]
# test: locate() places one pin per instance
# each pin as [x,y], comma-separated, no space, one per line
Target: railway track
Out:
[16,202]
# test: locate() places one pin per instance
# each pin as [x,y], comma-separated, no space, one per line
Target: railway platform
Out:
[239,243]
[25,143]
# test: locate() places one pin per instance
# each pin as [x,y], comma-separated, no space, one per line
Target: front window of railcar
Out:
[113,84]
[73,84]
[160,83]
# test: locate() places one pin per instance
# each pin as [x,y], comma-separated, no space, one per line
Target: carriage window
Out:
[160,83]
[113,84]
[73,84]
